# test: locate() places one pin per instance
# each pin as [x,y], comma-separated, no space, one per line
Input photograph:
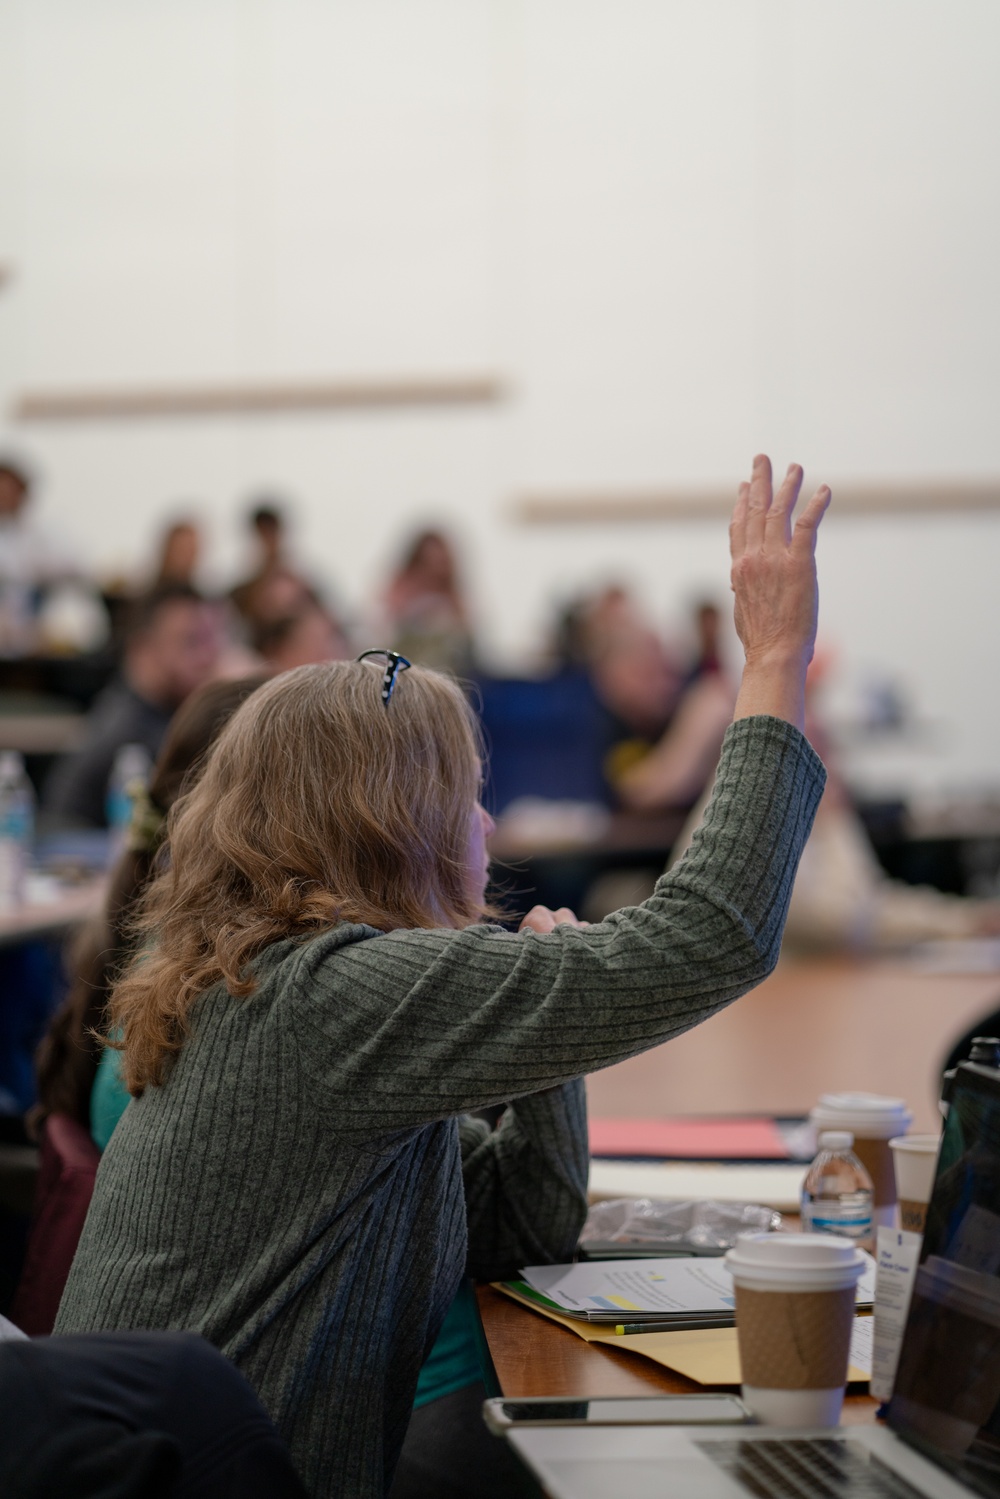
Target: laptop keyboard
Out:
[823,1468]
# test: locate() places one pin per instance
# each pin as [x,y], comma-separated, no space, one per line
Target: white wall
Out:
[682,230]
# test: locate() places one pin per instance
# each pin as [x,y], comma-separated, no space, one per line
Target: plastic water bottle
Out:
[837,1193]
[129,775]
[17,828]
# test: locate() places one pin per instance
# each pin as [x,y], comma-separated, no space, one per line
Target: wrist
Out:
[776,686]
[777,659]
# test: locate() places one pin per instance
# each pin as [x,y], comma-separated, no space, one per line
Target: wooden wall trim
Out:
[251,399]
[607,508]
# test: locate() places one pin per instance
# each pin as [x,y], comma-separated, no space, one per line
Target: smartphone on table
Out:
[644,1410]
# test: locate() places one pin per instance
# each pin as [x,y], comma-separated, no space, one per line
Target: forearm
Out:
[441,1022]
[774,686]
[526,1182]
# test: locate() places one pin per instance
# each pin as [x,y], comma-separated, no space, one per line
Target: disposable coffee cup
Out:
[914,1159]
[948,1384]
[795,1307]
[873,1121]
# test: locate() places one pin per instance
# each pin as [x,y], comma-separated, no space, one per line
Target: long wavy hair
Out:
[317,805]
[68,1054]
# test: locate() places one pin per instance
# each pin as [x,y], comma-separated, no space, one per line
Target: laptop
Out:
[942,1438]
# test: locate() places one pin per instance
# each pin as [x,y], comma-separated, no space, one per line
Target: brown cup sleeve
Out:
[794,1340]
[876,1157]
[912,1215]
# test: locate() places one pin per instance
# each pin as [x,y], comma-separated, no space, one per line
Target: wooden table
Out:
[815,1026]
[40,919]
[533,1356]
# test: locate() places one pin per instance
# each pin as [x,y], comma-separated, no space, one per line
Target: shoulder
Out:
[367,969]
[117,711]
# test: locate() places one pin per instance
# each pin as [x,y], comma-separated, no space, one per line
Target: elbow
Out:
[560,1240]
[764,946]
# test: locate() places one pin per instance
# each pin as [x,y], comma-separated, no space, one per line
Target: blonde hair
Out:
[317,805]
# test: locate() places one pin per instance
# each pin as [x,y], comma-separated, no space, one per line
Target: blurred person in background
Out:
[707,621]
[70,1054]
[274,588]
[425,614]
[675,771]
[178,556]
[843,900]
[669,723]
[301,639]
[171,647]
[34,569]
[842,897]
[634,675]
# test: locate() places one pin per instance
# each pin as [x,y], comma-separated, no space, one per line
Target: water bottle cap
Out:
[836,1139]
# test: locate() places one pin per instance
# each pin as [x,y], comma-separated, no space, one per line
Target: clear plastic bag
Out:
[683,1227]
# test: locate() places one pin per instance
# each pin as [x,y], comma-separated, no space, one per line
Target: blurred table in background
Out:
[73,680]
[51,913]
[539,866]
[815,1026]
[39,733]
[635,836]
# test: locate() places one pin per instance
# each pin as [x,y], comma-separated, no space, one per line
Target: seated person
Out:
[320,1001]
[178,555]
[30,560]
[70,1053]
[674,772]
[171,647]
[424,609]
[78,1076]
[843,900]
[276,587]
[308,634]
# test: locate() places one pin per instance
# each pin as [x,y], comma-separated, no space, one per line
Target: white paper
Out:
[897,1256]
[606,1289]
[627,1288]
[862,1338]
[778,1186]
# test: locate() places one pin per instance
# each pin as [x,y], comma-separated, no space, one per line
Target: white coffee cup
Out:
[795,1308]
[914,1160]
[873,1121]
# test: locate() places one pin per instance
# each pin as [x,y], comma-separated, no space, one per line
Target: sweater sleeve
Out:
[526,1182]
[418,1025]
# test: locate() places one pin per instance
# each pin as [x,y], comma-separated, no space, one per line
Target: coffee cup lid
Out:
[869,1115]
[795,1262]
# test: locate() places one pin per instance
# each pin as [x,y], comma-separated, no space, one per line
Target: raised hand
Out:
[774,580]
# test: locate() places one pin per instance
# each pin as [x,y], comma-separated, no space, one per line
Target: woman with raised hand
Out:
[323,1000]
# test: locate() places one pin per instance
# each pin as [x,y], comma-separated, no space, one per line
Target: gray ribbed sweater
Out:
[294,1191]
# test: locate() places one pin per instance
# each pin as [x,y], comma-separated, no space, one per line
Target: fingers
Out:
[540,919]
[778,521]
[758,518]
[738,524]
[565,917]
[759,502]
[804,535]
